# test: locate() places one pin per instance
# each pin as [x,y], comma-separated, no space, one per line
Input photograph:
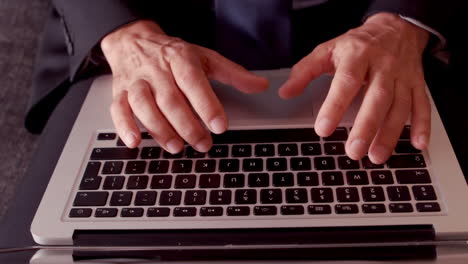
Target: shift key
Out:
[90,199]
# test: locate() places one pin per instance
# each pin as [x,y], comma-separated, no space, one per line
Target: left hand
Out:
[383,57]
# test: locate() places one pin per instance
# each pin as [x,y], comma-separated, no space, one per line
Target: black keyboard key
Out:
[382,177]
[135,167]
[161,182]
[170,198]
[158,212]
[319,209]
[340,134]
[400,207]
[283,179]
[206,165]
[229,165]
[264,150]
[307,179]
[185,211]
[80,212]
[367,164]
[106,212]
[398,193]
[168,155]
[185,181]
[197,197]
[92,169]
[424,193]
[357,177]
[347,195]
[220,197]
[211,211]
[311,149]
[132,212]
[412,176]
[191,153]
[112,167]
[300,164]
[181,166]
[158,166]
[121,198]
[241,151]
[287,150]
[150,152]
[271,196]
[406,147]
[146,135]
[246,196]
[324,163]
[120,142]
[428,207]
[406,161]
[113,183]
[137,182]
[296,195]
[219,151]
[335,148]
[292,210]
[265,210]
[238,210]
[209,181]
[322,195]
[373,194]
[145,198]
[277,164]
[106,136]
[252,165]
[90,183]
[346,209]
[405,134]
[332,178]
[259,179]
[114,154]
[266,136]
[373,208]
[346,163]
[234,180]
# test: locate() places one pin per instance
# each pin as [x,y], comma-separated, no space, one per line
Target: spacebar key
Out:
[114,153]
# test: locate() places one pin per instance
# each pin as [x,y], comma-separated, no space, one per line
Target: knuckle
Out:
[176,47]
[137,95]
[168,99]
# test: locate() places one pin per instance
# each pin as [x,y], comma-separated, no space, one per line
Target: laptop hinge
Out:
[364,242]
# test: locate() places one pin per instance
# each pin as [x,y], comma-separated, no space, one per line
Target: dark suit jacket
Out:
[75,28]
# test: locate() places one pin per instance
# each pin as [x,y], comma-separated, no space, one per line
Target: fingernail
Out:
[324,126]
[218,125]
[204,145]
[358,147]
[174,145]
[130,138]
[423,141]
[380,154]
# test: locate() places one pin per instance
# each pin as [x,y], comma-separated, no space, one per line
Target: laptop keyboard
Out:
[251,173]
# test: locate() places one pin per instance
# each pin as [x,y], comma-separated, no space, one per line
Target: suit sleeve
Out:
[86,22]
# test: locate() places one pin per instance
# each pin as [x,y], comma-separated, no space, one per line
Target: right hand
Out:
[162,80]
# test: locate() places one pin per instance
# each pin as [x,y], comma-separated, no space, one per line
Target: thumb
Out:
[226,71]
[309,68]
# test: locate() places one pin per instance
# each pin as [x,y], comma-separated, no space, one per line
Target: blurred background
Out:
[21,22]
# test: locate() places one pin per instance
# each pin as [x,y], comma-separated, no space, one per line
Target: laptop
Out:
[269,183]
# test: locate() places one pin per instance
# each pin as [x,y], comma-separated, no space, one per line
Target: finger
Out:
[374,108]
[349,77]
[309,68]
[193,83]
[142,102]
[390,131]
[177,111]
[122,117]
[224,70]
[421,118]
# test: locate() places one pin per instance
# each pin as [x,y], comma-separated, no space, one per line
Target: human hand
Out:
[383,57]
[163,80]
